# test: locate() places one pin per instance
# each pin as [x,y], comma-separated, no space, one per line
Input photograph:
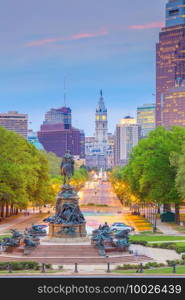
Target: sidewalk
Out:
[21,221]
[167,229]
[157,254]
[4,225]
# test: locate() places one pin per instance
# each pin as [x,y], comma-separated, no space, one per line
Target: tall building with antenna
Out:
[58,135]
[59,115]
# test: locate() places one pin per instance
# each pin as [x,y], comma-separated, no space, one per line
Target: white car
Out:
[121,226]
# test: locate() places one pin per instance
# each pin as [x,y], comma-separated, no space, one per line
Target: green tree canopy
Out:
[23,172]
[150,173]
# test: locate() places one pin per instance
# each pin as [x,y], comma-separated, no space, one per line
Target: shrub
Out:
[154,245]
[142,243]
[167,245]
[154,265]
[180,249]
[48,266]
[171,247]
[176,261]
[146,266]
[23,265]
[183,256]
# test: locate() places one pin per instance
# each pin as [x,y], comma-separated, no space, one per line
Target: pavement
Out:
[167,229]
[157,254]
[106,205]
[112,211]
[20,222]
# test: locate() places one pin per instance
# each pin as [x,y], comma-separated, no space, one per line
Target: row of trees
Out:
[155,172]
[28,176]
[78,180]
[24,176]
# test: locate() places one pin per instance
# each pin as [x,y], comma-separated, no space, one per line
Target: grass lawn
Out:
[150,233]
[167,270]
[180,244]
[156,238]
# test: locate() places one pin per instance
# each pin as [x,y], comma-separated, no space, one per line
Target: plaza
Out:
[99,204]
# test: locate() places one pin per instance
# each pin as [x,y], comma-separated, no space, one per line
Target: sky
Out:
[107,44]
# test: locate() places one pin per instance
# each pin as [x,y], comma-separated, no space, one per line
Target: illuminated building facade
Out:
[60,115]
[14,121]
[173,106]
[101,125]
[110,150]
[127,135]
[57,134]
[146,118]
[89,145]
[175,13]
[170,54]
[97,146]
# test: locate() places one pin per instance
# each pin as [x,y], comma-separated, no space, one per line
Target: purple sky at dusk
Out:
[105,44]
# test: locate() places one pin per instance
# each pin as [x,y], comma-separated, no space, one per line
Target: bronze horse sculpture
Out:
[67,167]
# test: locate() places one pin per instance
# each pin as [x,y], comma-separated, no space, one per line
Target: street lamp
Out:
[155,218]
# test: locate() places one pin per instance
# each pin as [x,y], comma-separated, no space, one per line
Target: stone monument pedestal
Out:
[68,222]
[58,230]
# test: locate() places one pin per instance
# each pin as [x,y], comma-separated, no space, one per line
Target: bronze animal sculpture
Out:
[67,167]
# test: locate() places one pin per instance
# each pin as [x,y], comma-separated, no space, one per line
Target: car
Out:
[43,226]
[121,226]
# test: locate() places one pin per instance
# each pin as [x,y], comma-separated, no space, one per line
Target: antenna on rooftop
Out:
[65,91]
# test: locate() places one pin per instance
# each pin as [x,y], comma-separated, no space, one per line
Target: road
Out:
[99,194]
[20,222]
[106,206]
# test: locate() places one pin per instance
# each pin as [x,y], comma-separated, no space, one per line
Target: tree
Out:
[150,173]
[54,163]
[79,178]
[24,174]
[178,160]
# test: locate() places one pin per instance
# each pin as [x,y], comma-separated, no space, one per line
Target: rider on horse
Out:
[67,167]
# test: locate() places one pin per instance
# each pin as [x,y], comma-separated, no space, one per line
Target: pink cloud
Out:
[43,42]
[88,35]
[147,26]
[38,43]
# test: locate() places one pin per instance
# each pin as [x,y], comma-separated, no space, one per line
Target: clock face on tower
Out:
[104,118]
[97,118]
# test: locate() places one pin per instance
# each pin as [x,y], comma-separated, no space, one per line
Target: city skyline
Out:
[118,43]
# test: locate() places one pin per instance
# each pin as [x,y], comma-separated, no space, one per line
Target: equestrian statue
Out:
[67,167]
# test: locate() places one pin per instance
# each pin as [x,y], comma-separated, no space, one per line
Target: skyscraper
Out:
[59,115]
[14,121]
[146,118]
[173,109]
[57,134]
[175,13]
[127,136]
[170,55]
